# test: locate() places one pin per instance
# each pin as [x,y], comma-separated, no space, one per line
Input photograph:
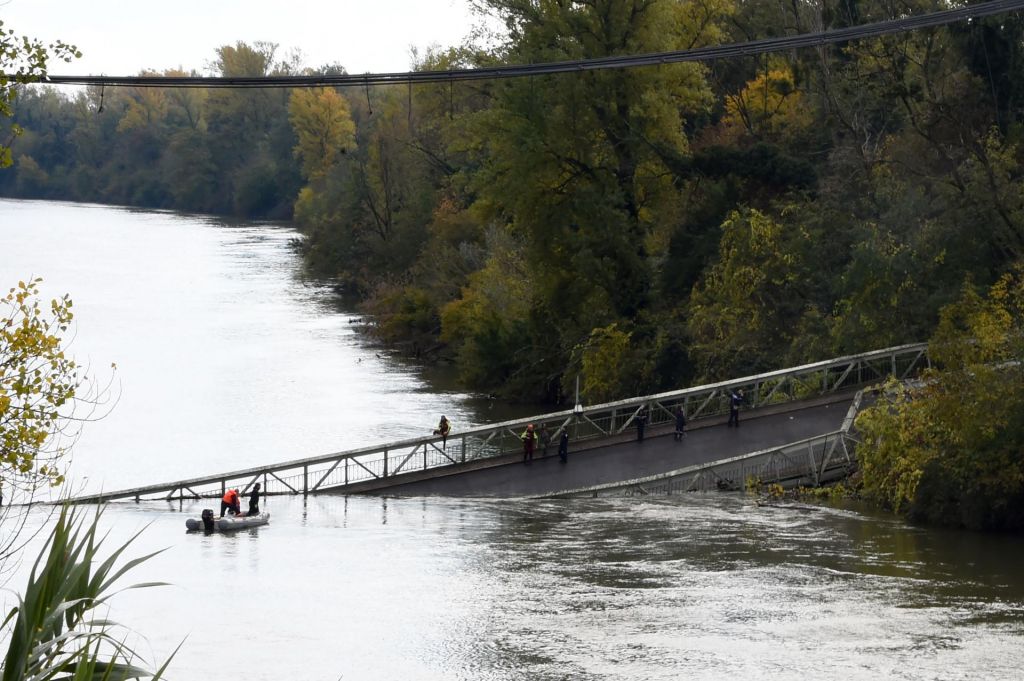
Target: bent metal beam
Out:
[394,463]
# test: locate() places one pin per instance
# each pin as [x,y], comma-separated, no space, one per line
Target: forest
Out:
[641,229]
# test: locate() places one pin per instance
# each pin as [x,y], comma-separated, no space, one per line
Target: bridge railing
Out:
[810,462]
[393,460]
[807,462]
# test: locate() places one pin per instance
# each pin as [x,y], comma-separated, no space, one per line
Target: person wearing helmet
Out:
[529,438]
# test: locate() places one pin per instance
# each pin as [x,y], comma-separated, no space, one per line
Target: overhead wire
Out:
[700,54]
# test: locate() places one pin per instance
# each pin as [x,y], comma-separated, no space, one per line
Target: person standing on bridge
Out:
[563,446]
[641,423]
[443,428]
[680,424]
[529,438]
[545,439]
[735,400]
[229,502]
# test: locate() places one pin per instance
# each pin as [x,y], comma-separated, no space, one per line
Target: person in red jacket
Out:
[230,502]
[529,439]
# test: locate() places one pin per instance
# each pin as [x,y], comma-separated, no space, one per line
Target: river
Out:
[227,357]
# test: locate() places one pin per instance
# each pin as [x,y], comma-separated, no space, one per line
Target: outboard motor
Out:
[208,520]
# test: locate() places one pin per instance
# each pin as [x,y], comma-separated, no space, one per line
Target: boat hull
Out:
[230,523]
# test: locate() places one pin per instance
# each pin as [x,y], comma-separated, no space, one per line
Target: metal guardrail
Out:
[809,462]
[394,460]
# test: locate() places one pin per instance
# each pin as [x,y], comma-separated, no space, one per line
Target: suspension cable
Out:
[752,47]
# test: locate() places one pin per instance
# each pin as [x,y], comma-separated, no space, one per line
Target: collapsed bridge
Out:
[795,428]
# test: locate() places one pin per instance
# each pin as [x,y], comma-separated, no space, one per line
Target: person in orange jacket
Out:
[230,502]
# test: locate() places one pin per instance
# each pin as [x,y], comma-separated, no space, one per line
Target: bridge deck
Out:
[411,466]
[658,453]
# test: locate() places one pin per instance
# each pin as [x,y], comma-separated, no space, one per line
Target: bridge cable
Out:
[701,54]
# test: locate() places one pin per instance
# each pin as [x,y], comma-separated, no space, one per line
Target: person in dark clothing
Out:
[641,423]
[443,428]
[680,424]
[529,438]
[545,438]
[563,446]
[254,500]
[735,400]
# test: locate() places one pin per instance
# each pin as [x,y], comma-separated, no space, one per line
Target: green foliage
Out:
[488,324]
[832,493]
[38,386]
[59,628]
[324,127]
[22,60]
[602,360]
[730,217]
[404,312]
[952,450]
[751,301]
[211,151]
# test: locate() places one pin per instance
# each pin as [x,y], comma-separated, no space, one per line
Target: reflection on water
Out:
[228,359]
[695,586]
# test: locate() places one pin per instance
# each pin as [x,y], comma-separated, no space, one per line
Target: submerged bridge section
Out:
[802,409]
[808,462]
[630,467]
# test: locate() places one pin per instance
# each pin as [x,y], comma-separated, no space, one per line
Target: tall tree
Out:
[578,164]
[22,60]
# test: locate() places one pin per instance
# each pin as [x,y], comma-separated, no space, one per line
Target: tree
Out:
[44,397]
[321,120]
[769,107]
[488,324]
[579,166]
[746,312]
[952,450]
[22,60]
[601,363]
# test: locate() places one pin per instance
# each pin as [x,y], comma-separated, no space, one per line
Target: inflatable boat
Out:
[228,523]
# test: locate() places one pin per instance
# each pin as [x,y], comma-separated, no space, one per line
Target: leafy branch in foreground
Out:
[44,399]
[23,60]
[56,633]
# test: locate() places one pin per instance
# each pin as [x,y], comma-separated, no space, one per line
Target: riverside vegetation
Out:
[948,448]
[639,229]
[58,629]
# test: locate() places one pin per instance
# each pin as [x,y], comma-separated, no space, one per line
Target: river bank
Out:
[228,357]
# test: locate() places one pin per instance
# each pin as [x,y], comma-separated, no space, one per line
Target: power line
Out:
[752,47]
